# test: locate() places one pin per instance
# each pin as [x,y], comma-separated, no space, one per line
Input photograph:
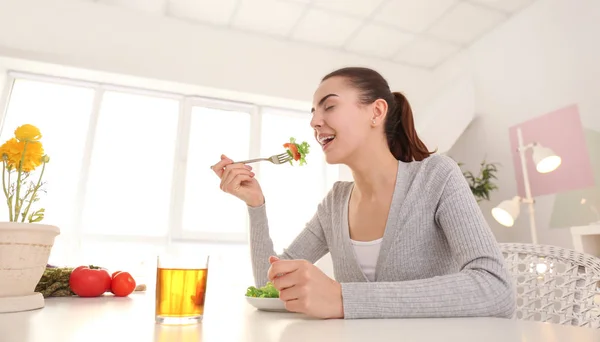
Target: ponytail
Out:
[400,131]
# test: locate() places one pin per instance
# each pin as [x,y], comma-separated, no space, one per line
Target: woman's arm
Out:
[483,287]
[309,245]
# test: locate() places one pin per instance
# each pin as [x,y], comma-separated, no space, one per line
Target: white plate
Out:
[267,304]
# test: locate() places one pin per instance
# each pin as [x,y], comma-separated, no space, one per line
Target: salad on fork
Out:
[297,151]
[294,152]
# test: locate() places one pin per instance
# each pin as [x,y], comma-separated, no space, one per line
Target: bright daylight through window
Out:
[128,191]
[129,169]
[207,209]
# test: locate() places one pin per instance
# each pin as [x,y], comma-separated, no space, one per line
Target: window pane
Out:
[292,192]
[129,186]
[206,208]
[62,114]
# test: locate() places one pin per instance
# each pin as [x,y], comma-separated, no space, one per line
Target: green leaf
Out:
[481,185]
[303,150]
[267,291]
[37,216]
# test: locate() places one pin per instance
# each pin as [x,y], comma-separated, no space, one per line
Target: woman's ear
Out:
[379,111]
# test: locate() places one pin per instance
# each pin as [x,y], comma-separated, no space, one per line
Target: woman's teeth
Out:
[325,139]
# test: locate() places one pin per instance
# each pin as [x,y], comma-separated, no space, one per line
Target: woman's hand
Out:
[238,180]
[306,289]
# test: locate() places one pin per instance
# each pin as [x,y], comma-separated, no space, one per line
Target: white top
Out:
[367,253]
[132,319]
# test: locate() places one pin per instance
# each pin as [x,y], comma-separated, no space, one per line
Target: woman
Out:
[406,237]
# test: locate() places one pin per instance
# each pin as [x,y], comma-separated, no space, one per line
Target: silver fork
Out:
[275,159]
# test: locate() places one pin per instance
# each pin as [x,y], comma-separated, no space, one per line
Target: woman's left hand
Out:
[304,288]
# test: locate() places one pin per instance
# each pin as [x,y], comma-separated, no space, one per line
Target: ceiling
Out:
[417,33]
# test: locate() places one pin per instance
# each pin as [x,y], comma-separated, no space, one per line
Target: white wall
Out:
[113,39]
[541,60]
[447,115]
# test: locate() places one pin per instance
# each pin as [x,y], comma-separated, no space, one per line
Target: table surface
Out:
[228,317]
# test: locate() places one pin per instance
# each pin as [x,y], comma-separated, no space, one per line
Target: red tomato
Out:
[122,284]
[89,282]
[111,278]
[294,149]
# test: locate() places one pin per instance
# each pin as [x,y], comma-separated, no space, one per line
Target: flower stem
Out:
[8,201]
[18,202]
[37,186]
[11,195]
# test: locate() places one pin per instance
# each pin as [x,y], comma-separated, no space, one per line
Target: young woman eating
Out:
[406,237]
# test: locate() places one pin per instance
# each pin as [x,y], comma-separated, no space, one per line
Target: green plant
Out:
[482,184]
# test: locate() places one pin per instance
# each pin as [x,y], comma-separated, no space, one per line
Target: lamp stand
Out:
[528,198]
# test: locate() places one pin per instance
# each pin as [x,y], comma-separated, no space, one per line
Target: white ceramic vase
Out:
[24,252]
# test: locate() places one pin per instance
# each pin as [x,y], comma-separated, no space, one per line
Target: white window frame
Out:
[175,232]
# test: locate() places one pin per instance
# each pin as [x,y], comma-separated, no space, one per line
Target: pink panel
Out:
[561,131]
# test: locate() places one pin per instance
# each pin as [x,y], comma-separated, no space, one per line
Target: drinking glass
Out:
[180,289]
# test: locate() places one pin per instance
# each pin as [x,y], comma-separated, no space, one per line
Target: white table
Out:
[229,318]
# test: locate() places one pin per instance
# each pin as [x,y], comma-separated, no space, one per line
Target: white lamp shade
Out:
[507,211]
[545,159]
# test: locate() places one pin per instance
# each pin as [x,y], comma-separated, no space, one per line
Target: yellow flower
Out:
[34,155]
[12,152]
[28,132]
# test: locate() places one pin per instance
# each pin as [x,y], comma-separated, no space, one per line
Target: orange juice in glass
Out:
[181,289]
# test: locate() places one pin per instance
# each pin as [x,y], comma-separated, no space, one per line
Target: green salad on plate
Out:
[267,291]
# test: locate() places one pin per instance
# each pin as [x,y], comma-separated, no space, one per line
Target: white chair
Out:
[554,284]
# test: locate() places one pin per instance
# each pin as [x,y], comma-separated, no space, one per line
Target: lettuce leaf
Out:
[267,291]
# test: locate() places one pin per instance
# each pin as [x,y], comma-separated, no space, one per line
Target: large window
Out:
[129,171]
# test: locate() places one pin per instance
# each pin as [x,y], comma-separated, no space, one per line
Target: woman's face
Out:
[342,125]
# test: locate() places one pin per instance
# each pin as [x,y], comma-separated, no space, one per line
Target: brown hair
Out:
[399,128]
